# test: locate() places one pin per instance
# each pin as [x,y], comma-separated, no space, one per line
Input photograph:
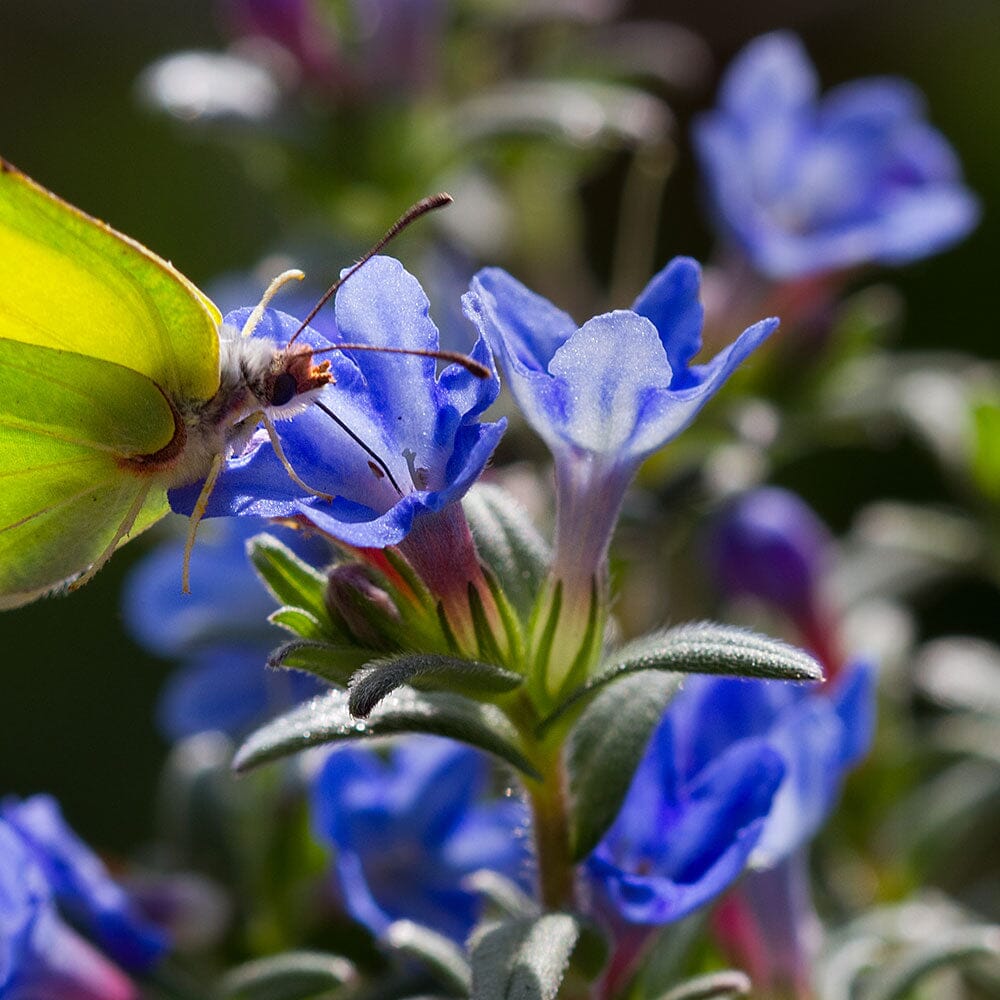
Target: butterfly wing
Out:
[69,423]
[73,283]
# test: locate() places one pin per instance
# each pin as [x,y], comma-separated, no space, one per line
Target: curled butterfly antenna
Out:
[469,364]
[413,213]
[294,274]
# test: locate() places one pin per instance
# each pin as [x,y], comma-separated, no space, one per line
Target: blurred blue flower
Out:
[769,544]
[422,444]
[220,630]
[408,828]
[738,771]
[41,957]
[803,186]
[81,885]
[47,873]
[603,396]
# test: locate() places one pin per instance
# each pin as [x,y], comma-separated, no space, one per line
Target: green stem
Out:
[549,802]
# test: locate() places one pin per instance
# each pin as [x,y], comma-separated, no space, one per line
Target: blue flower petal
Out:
[81,884]
[670,301]
[402,440]
[410,828]
[805,185]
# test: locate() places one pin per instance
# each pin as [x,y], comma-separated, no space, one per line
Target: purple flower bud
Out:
[354,599]
[770,545]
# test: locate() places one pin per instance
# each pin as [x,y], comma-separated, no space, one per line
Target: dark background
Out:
[77,695]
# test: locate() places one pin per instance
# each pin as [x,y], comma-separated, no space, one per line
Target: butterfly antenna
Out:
[469,364]
[413,213]
[294,274]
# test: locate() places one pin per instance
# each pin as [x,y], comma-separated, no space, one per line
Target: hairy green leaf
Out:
[297,975]
[428,672]
[606,745]
[440,955]
[328,719]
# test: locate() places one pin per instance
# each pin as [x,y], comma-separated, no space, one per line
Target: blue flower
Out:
[803,186]
[422,444]
[408,829]
[769,544]
[47,873]
[737,771]
[603,396]
[40,956]
[219,630]
[80,884]
[686,829]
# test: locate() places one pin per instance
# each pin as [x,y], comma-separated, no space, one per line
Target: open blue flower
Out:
[414,443]
[738,771]
[408,829]
[604,396]
[803,186]
[687,827]
[219,631]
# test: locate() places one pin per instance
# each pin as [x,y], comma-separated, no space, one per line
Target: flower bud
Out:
[367,611]
[768,544]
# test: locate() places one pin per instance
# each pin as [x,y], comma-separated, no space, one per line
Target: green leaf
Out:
[711,648]
[698,648]
[508,544]
[293,582]
[505,896]
[334,664]
[441,956]
[293,976]
[328,719]
[728,985]
[986,446]
[428,672]
[526,959]
[896,981]
[299,622]
[605,748]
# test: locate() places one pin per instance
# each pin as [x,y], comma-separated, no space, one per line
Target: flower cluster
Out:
[496,769]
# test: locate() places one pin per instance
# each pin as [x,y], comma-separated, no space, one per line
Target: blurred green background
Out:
[78,695]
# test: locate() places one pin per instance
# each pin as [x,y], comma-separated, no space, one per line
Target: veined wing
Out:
[67,423]
[69,281]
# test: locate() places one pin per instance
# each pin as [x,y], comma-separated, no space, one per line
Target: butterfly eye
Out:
[285,387]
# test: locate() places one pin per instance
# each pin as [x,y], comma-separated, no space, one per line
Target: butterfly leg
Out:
[200,506]
[261,417]
[272,289]
[123,529]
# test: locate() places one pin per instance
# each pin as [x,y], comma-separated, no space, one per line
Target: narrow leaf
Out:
[956,948]
[606,745]
[711,648]
[299,622]
[440,955]
[698,648]
[294,976]
[292,581]
[728,985]
[428,672]
[505,896]
[523,959]
[328,719]
[334,664]
[508,543]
